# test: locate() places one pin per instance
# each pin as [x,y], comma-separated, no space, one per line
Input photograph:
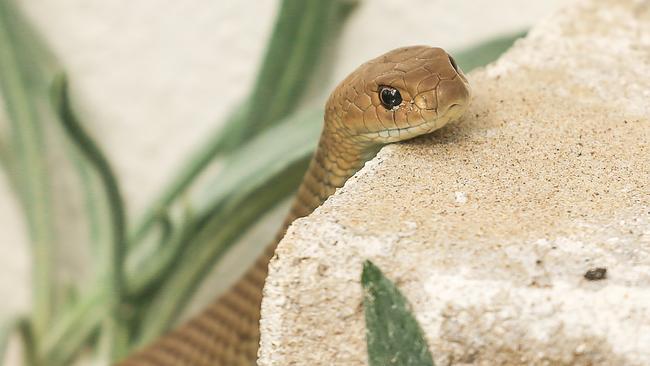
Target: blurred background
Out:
[151,84]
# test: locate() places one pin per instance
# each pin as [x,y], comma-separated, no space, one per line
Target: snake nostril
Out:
[453,63]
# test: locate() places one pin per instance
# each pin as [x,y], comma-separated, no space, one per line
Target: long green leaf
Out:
[255,179]
[73,328]
[393,335]
[302,30]
[285,76]
[40,67]
[26,71]
[21,85]
[5,158]
[20,327]
[7,329]
[115,252]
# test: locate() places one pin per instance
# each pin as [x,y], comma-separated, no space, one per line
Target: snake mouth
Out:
[452,113]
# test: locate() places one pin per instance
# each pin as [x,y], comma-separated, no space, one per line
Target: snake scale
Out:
[399,95]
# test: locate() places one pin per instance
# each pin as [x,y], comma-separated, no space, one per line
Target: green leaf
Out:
[6,163]
[27,69]
[114,254]
[7,328]
[303,29]
[66,338]
[392,333]
[20,327]
[24,66]
[254,179]
[486,52]
[291,62]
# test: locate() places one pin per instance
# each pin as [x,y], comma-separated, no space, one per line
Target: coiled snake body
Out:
[402,94]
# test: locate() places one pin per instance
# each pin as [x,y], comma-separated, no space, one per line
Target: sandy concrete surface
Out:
[490,225]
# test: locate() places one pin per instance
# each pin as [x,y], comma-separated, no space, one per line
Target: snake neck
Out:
[337,158]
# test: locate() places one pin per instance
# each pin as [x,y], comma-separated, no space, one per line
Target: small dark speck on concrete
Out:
[596,274]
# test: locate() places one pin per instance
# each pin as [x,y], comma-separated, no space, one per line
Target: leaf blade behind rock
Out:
[393,335]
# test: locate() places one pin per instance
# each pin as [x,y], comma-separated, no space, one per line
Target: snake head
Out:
[399,95]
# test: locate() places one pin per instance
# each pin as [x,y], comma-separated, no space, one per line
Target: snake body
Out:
[402,94]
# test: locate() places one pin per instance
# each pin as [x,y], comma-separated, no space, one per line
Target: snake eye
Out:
[390,97]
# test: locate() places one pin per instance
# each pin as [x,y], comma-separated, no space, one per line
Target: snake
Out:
[402,94]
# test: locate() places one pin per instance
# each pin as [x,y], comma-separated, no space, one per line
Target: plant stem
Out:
[115,253]
[21,89]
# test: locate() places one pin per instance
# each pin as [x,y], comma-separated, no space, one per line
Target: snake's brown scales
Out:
[402,94]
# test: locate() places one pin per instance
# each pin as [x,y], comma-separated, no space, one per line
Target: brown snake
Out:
[402,94]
